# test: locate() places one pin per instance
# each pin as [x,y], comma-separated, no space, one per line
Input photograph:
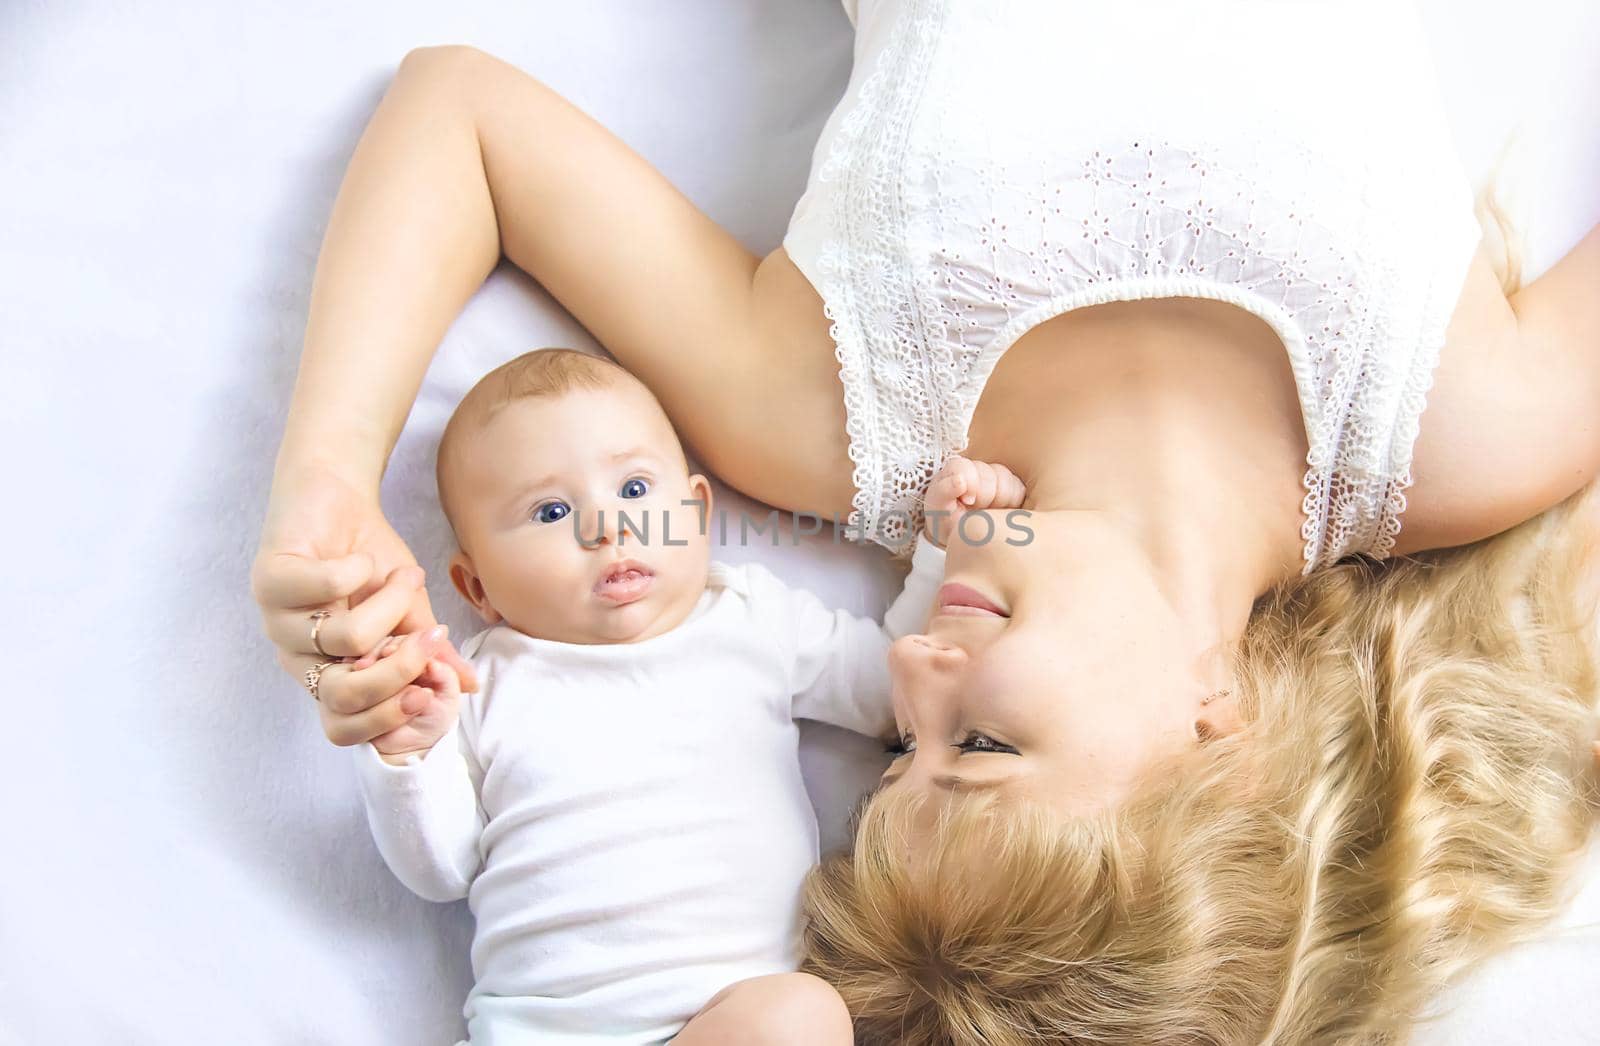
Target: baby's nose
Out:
[598,528]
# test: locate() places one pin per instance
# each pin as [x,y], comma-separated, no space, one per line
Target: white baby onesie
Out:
[628,822]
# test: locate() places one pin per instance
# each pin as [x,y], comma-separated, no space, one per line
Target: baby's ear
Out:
[465,578]
[700,490]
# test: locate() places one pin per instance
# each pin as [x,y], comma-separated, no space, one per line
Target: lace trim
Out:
[1430,341]
[865,160]
[1318,476]
[1328,282]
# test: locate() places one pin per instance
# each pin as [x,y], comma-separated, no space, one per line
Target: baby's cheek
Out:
[682,552]
[538,579]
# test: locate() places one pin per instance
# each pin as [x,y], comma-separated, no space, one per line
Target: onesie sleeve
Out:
[425,816]
[910,610]
[839,663]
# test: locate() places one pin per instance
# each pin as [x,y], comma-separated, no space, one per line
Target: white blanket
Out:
[187,859]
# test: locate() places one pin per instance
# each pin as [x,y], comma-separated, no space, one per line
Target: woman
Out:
[1195,289]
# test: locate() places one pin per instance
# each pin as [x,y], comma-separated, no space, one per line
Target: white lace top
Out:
[994,163]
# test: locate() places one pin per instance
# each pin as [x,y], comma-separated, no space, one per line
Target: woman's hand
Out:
[965,485]
[326,545]
[380,703]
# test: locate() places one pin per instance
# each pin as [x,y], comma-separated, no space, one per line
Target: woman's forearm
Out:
[411,237]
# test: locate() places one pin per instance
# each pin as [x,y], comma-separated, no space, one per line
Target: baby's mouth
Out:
[624,582]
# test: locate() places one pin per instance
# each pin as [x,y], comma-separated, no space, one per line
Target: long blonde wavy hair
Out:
[1412,791]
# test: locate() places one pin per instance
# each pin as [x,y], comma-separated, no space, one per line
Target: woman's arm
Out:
[467,156]
[464,158]
[1512,425]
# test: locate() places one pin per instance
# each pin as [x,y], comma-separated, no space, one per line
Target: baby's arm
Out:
[424,814]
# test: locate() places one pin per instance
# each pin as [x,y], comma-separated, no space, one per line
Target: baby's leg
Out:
[784,1009]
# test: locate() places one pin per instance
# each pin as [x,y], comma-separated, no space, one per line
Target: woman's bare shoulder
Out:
[1512,424]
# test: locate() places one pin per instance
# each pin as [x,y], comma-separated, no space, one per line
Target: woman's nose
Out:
[924,651]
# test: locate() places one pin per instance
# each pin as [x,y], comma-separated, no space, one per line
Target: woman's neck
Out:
[1178,426]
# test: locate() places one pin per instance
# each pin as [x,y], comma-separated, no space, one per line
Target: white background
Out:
[184,857]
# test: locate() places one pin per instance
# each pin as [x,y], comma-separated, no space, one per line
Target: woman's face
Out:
[1081,679]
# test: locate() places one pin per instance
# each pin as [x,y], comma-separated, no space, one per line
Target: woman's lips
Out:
[962,599]
[624,582]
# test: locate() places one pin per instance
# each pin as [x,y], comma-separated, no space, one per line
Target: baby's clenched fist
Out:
[432,701]
[965,485]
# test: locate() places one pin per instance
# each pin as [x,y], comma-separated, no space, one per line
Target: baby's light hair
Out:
[541,372]
[1412,791]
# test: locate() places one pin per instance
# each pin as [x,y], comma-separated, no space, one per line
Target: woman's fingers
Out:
[463,669]
[420,619]
[383,649]
[374,722]
[353,631]
[383,613]
[287,580]
[347,690]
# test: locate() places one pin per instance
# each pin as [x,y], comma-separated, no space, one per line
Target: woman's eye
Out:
[635,488]
[904,744]
[551,512]
[985,743]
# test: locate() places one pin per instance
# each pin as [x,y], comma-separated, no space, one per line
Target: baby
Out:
[621,801]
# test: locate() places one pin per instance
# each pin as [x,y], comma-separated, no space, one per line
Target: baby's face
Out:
[541,492]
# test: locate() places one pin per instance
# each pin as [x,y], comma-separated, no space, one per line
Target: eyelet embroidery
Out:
[926,282]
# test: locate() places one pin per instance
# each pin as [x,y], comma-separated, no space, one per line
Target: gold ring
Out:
[314,678]
[317,618]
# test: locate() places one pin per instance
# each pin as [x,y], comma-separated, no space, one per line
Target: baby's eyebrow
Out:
[526,490]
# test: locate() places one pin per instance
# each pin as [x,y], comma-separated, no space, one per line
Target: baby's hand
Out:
[436,693]
[965,485]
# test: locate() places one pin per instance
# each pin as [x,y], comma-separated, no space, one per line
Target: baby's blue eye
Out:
[635,488]
[551,512]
